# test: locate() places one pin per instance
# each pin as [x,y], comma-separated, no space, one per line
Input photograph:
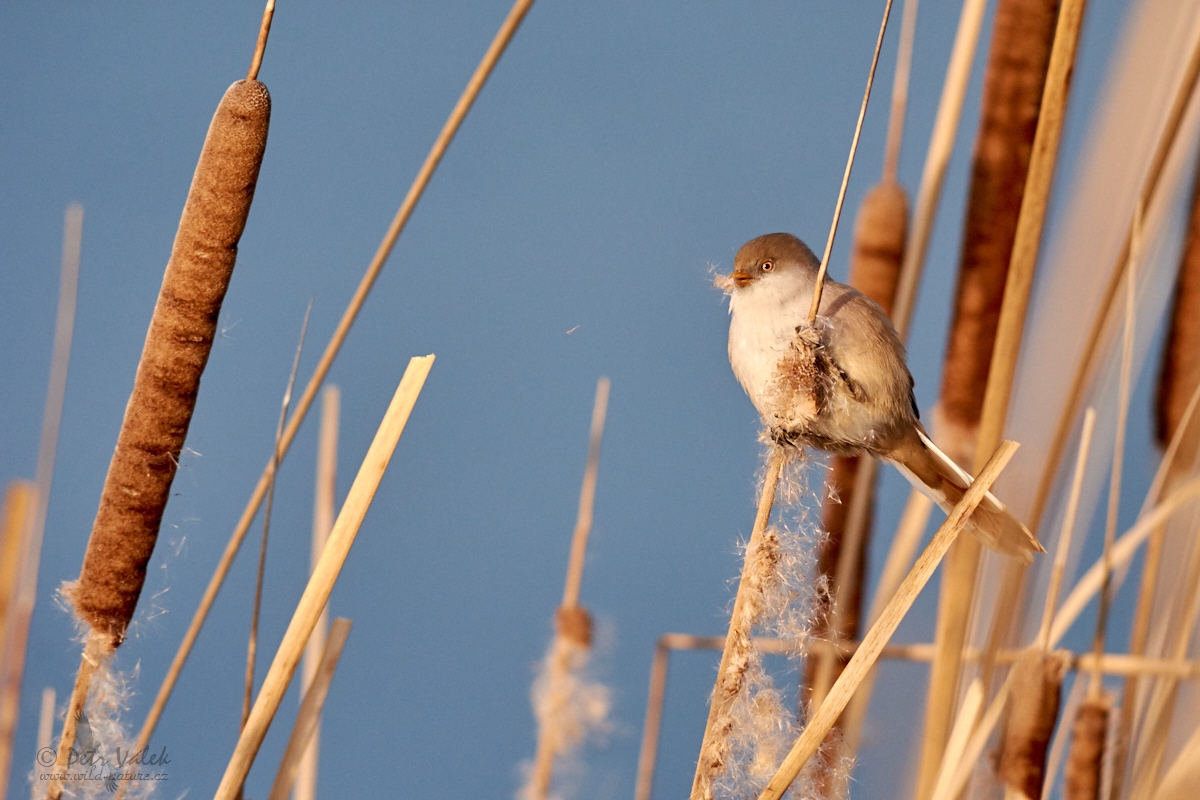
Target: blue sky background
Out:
[619,152]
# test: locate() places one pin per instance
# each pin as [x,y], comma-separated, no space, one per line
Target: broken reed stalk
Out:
[1085,365]
[503,36]
[252,645]
[324,505]
[316,593]
[729,679]
[572,621]
[937,158]
[955,600]
[309,717]
[14,622]
[16,529]
[165,388]
[877,637]
[837,210]
[648,755]
[1178,392]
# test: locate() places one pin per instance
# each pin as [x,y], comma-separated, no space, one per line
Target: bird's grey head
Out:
[774,253]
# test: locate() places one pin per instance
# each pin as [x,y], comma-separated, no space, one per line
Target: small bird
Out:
[841,384]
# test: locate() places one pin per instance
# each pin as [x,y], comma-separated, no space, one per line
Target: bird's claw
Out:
[809,335]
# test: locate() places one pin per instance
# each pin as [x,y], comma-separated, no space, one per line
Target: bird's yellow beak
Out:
[740,279]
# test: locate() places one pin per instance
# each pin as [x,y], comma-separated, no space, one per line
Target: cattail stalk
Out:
[573,624]
[960,735]
[729,678]
[165,388]
[316,593]
[503,36]
[873,643]
[648,755]
[955,600]
[309,717]
[324,506]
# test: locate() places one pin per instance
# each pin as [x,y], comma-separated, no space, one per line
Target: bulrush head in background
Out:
[842,384]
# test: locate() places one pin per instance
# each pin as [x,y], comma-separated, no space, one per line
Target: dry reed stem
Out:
[260,47]
[177,346]
[14,630]
[1085,762]
[960,734]
[1018,56]
[587,498]
[924,652]
[1114,488]
[1178,393]
[16,530]
[572,621]
[97,650]
[309,717]
[256,608]
[324,505]
[1084,367]
[1182,779]
[895,133]
[45,738]
[872,645]
[937,157]
[837,210]
[1122,552]
[1067,532]
[729,679]
[1157,724]
[1037,681]
[648,754]
[316,593]
[955,600]
[503,36]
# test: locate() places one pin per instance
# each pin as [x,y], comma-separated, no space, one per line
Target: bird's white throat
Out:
[762,325]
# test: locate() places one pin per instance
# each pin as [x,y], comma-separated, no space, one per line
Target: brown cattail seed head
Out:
[177,346]
[1083,770]
[880,233]
[1037,683]
[575,624]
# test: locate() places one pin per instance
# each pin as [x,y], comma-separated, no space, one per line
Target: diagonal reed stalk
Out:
[320,585]
[877,637]
[309,717]
[503,36]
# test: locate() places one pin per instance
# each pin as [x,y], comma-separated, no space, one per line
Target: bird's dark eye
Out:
[767,266]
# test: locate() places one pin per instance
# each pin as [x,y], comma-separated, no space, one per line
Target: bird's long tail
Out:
[937,476]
